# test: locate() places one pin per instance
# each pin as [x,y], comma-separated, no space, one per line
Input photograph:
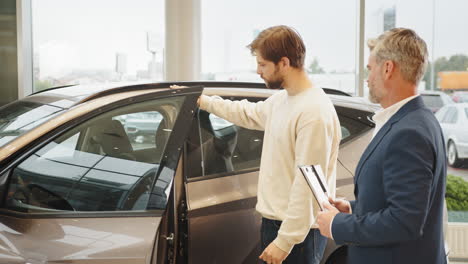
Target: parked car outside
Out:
[460,96]
[142,127]
[435,100]
[454,122]
[75,188]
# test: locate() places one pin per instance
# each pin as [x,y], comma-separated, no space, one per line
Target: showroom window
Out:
[437,25]
[330,43]
[80,42]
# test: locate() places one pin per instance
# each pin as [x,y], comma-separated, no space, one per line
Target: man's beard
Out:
[275,85]
[373,97]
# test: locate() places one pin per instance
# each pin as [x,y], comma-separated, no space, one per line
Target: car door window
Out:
[432,100]
[218,147]
[440,114]
[353,122]
[141,128]
[94,166]
[225,147]
[448,116]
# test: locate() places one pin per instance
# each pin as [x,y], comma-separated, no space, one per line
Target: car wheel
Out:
[452,154]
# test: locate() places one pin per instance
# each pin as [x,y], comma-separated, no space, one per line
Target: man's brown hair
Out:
[279,41]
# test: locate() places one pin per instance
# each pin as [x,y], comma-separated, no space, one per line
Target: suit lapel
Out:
[370,148]
[407,108]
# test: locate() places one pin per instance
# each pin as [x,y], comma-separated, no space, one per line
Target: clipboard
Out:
[317,183]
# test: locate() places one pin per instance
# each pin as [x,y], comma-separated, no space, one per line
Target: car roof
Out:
[77,94]
[359,103]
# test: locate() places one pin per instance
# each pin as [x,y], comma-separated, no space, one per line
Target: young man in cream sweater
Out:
[301,128]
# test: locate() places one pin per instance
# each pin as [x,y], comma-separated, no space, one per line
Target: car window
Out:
[21,116]
[141,128]
[94,166]
[227,148]
[353,122]
[219,123]
[450,116]
[432,101]
[441,113]
[447,99]
[466,112]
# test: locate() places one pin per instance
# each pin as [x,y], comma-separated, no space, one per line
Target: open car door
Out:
[97,188]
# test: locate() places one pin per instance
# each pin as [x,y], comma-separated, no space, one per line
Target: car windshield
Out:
[21,116]
[432,101]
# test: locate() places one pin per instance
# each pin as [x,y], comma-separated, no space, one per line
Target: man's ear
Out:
[284,62]
[388,69]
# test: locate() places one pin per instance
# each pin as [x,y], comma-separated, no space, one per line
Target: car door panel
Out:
[222,164]
[86,240]
[223,224]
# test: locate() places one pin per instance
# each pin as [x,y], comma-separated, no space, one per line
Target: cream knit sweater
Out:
[299,130]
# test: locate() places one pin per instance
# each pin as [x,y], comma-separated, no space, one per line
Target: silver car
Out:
[435,100]
[453,119]
[76,189]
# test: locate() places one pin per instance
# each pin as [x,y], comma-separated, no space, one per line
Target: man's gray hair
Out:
[405,48]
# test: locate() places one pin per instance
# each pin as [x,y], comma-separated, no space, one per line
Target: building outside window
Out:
[329,33]
[80,42]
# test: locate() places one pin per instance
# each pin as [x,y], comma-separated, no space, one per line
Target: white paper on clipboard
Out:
[317,183]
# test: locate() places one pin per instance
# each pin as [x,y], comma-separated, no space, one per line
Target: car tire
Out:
[452,155]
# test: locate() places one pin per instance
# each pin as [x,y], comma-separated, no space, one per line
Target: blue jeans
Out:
[308,252]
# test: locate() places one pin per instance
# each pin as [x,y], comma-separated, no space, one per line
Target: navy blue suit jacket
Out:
[399,188]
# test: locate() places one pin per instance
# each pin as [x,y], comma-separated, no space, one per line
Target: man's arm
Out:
[242,113]
[313,146]
[407,178]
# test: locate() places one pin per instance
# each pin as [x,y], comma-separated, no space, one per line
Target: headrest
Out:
[111,136]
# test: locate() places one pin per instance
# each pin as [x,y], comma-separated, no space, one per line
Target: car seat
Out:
[109,135]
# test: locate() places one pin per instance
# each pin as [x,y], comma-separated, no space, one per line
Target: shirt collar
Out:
[382,116]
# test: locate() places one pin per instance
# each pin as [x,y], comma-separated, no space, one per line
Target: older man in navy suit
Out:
[397,216]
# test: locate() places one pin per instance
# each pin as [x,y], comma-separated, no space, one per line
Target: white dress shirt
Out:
[382,116]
